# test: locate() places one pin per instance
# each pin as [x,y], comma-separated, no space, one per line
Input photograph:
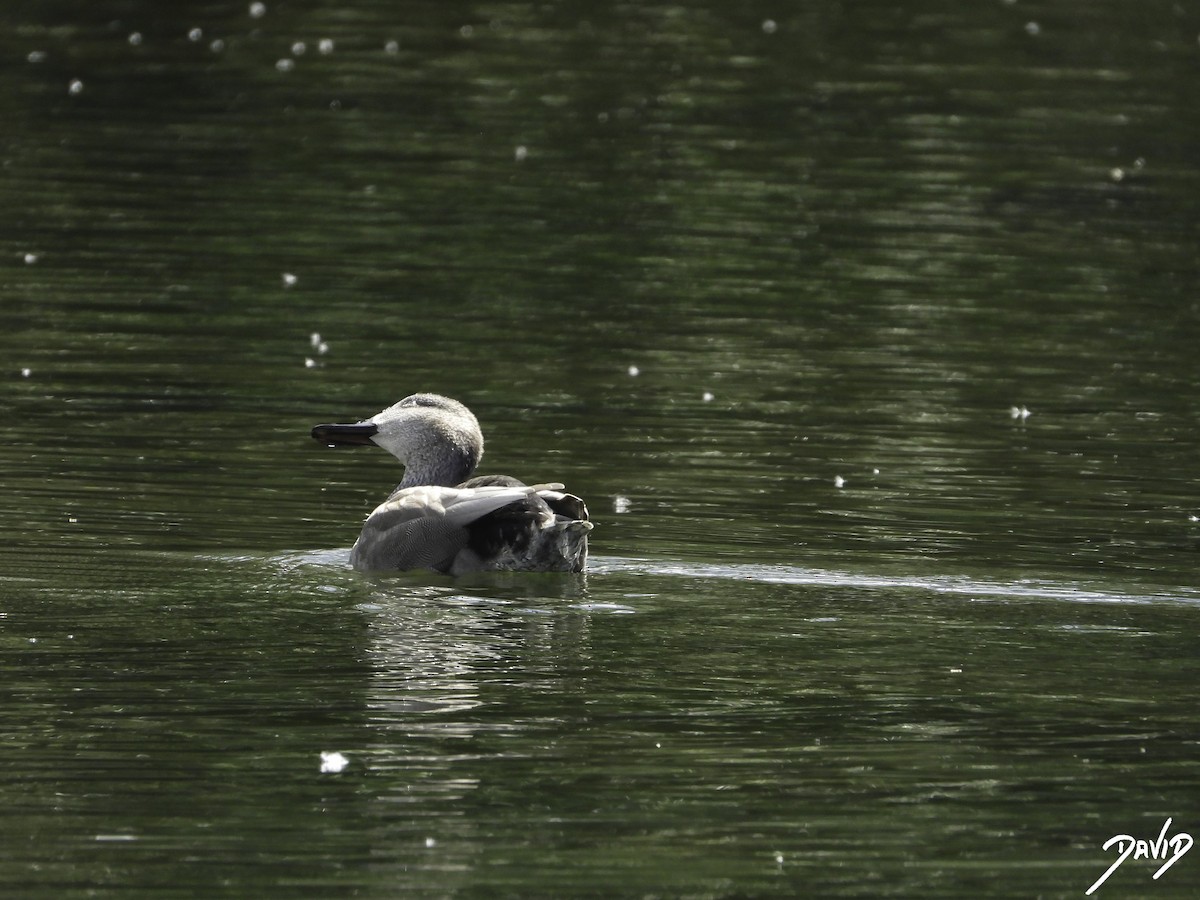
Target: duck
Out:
[443,518]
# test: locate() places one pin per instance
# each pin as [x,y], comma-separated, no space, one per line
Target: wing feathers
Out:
[431,527]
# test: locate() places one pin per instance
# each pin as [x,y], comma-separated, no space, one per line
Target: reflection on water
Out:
[762,285]
[726,723]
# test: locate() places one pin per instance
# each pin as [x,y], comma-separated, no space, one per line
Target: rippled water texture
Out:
[868,331]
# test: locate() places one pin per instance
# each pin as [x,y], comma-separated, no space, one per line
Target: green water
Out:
[769,288]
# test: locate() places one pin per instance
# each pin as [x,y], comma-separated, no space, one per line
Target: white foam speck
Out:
[285,64]
[621,504]
[36,56]
[258,10]
[75,87]
[325,46]
[521,153]
[839,481]
[30,258]
[333,762]
[195,35]
[289,280]
[26,372]
[391,48]
[1019,412]
[135,39]
[309,362]
[769,26]
[707,397]
[634,371]
[299,48]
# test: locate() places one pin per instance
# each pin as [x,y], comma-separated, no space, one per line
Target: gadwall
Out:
[440,518]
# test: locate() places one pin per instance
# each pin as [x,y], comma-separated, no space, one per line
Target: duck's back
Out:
[488,523]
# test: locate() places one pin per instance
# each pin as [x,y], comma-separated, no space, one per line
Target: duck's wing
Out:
[492,481]
[545,531]
[568,506]
[426,527]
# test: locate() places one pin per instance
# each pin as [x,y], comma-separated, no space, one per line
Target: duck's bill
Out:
[345,435]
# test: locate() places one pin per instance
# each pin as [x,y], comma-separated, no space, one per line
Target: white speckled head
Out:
[437,439]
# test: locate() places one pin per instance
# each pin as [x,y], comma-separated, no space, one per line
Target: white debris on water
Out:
[317,343]
[285,64]
[333,762]
[289,280]
[769,26]
[707,397]
[26,372]
[634,371]
[75,88]
[30,258]
[521,153]
[621,504]
[391,48]
[135,39]
[325,46]
[195,35]
[430,842]
[1019,412]
[299,48]
[839,481]
[258,10]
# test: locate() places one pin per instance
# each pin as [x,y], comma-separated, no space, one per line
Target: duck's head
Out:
[437,439]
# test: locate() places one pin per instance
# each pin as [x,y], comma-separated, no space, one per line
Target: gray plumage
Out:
[438,519]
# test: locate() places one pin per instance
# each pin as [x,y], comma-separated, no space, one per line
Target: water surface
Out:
[867,333]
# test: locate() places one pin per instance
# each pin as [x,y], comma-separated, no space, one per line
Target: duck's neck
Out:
[447,467]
